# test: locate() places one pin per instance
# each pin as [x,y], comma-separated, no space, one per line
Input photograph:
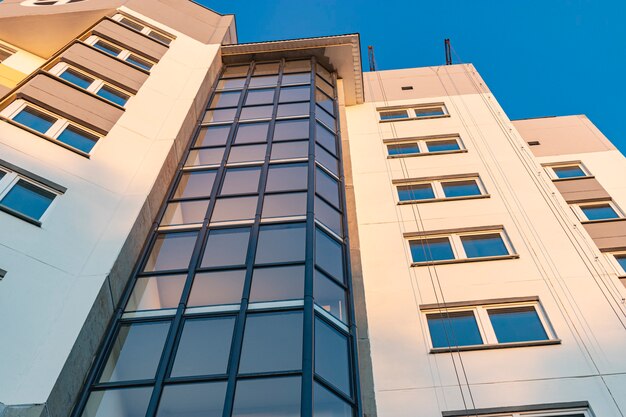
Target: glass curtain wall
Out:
[241,303]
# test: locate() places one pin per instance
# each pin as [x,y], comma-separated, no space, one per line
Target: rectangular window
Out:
[394,115]
[460,246]
[424,146]
[58,129]
[566,171]
[562,411]
[5,52]
[454,188]
[502,323]
[427,111]
[24,197]
[120,52]
[599,211]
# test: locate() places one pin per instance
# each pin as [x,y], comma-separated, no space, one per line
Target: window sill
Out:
[438,200]
[409,155]
[461,261]
[20,215]
[443,116]
[619,219]
[496,346]
[572,178]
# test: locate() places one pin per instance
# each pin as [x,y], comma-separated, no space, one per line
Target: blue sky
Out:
[539,57]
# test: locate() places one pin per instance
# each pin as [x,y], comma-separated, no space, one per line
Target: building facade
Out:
[198,227]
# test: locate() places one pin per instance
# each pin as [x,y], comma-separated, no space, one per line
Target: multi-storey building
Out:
[197,227]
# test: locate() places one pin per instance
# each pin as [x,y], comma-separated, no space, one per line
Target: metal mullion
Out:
[308,342]
[196,378]
[333,279]
[176,327]
[276,374]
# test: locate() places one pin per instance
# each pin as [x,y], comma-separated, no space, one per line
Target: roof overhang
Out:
[340,53]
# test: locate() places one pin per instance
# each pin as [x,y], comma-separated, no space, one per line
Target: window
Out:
[142,28]
[566,171]
[428,111]
[262,397]
[460,246]
[620,259]
[91,83]
[120,52]
[589,212]
[5,52]
[564,410]
[424,146]
[186,400]
[56,128]
[24,197]
[439,189]
[476,325]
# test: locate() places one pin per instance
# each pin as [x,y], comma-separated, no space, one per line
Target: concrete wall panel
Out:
[608,235]
[581,189]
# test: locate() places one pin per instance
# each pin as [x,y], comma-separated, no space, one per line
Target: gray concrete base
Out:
[26,410]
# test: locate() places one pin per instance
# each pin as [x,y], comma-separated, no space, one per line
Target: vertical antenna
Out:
[370,53]
[446,42]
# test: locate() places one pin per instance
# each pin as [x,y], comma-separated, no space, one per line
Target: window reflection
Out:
[288,177]
[226,247]
[267,397]
[237,208]
[212,136]
[275,284]
[171,251]
[289,150]
[326,138]
[327,187]
[328,254]
[185,212]
[291,130]
[252,133]
[329,295]
[327,404]
[217,288]
[241,181]
[155,293]
[283,205]
[195,184]
[126,402]
[332,361]
[193,400]
[206,156]
[281,243]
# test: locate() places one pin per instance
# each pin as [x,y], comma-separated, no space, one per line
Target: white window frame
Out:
[459,250]
[422,145]
[412,114]
[57,127]
[146,30]
[123,55]
[96,85]
[545,413]
[552,174]
[483,321]
[31,3]
[612,258]
[578,211]
[438,190]
[11,178]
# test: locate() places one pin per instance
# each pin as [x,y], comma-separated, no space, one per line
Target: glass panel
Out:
[156,293]
[212,136]
[139,62]
[429,112]
[77,138]
[324,86]
[238,208]
[171,251]
[330,296]
[34,119]
[325,102]
[599,212]
[226,247]
[325,118]
[289,94]
[460,188]
[204,347]
[327,404]
[287,177]
[159,37]
[289,150]
[517,324]
[394,114]
[232,84]
[425,250]
[327,159]
[332,361]
[185,212]
[76,78]
[415,192]
[328,254]
[569,172]
[2,174]
[297,66]
[263,96]
[113,95]
[326,138]
[269,80]
[225,99]
[324,73]
[327,187]
[241,181]
[275,284]
[107,48]
[248,153]
[282,205]
[192,400]
[217,288]
[28,199]
[442,145]
[264,69]
[251,133]
[220,115]
[272,342]
[256,112]
[195,184]
[478,246]
[454,329]
[281,243]
[267,397]
[403,149]
[132,24]
[236,71]
[303,78]
[293,109]
[291,130]
[621,260]
[127,402]
[326,214]
[136,352]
